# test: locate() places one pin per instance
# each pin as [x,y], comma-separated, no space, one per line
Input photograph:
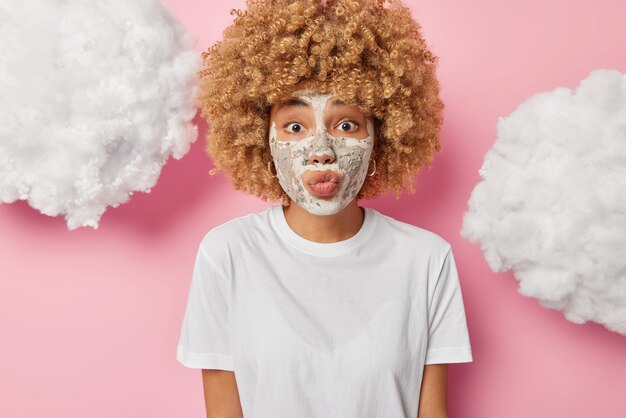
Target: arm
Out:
[221,395]
[434,392]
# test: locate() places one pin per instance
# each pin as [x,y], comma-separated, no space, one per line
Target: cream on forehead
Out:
[318,102]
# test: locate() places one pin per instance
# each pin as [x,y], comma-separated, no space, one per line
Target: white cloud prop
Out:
[552,203]
[95,96]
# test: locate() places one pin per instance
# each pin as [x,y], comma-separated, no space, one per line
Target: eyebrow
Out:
[297,102]
[337,102]
[294,102]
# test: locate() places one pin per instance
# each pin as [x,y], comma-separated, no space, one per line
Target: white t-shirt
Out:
[324,330]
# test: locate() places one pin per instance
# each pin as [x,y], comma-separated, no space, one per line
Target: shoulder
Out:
[224,238]
[412,235]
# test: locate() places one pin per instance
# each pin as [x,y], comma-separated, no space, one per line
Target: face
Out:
[321,148]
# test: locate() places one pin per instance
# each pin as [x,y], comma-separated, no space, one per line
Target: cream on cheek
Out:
[293,158]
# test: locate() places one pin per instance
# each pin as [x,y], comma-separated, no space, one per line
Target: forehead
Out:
[304,101]
[308,96]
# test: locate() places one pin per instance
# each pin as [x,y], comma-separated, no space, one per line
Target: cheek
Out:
[283,159]
[350,158]
[289,160]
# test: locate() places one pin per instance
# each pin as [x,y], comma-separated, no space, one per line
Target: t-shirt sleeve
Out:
[448,337]
[204,339]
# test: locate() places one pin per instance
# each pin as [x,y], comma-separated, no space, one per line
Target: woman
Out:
[318,307]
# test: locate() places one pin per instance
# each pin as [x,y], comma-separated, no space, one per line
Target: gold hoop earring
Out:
[270,169]
[373,172]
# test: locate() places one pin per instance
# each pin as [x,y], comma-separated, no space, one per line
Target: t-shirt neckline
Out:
[324,249]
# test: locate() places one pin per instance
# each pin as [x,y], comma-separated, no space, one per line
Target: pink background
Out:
[90,319]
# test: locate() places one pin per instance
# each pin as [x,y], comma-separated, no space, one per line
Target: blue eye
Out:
[294,127]
[348,126]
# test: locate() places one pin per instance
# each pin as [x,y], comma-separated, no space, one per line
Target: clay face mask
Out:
[305,167]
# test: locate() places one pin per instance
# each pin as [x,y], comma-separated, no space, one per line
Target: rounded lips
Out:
[324,177]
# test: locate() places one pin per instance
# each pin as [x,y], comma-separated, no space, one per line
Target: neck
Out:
[325,228]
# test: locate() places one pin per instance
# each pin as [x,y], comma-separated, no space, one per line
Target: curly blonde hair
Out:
[367,52]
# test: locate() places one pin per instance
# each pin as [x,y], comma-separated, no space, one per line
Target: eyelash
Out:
[289,123]
[356,125]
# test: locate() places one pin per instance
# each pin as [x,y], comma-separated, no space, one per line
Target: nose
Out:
[322,157]
[321,152]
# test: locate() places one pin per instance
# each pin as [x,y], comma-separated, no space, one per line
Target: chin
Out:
[323,207]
